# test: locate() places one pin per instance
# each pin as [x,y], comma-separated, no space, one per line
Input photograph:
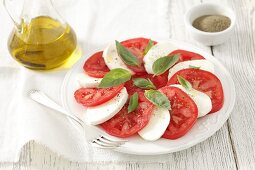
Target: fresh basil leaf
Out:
[144,83]
[185,83]
[195,67]
[126,56]
[148,47]
[157,98]
[133,102]
[115,77]
[164,63]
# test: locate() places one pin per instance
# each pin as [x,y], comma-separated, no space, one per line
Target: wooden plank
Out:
[35,156]
[202,156]
[238,55]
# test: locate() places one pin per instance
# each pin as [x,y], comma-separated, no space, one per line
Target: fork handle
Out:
[43,99]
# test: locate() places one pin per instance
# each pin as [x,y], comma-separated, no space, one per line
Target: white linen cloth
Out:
[95,23]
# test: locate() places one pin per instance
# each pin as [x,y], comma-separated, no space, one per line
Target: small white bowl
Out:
[208,38]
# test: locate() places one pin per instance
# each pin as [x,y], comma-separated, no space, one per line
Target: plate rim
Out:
[181,147]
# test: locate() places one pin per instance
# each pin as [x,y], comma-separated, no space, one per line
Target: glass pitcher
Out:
[41,39]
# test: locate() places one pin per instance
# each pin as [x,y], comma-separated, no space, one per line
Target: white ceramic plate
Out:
[203,129]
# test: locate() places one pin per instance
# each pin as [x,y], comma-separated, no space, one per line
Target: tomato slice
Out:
[158,81]
[186,55]
[136,46]
[142,98]
[94,96]
[125,124]
[183,112]
[95,66]
[203,81]
[131,88]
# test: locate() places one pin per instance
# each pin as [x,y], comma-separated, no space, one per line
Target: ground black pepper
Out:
[211,23]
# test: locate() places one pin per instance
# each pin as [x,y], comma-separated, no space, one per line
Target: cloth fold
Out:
[95,23]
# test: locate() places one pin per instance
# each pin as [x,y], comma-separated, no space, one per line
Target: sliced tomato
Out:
[187,55]
[141,97]
[183,112]
[125,124]
[131,88]
[136,46]
[95,66]
[203,81]
[158,81]
[94,96]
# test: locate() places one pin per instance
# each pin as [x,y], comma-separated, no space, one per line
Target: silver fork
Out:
[97,138]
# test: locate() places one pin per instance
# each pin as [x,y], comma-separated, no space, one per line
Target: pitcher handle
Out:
[13,15]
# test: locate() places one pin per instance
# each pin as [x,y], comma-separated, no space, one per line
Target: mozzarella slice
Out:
[157,125]
[87,81]
[113,60]
[101,113]
[161,49]
[203,101]
[203,64]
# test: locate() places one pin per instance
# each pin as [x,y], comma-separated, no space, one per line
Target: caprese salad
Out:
[140,86]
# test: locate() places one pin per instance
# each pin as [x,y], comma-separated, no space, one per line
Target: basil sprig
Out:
[126,56]
[144,83]
[157,98]
[185,83]
[133,102]
[115,77]
[195,67]
[148,47]
[164,63]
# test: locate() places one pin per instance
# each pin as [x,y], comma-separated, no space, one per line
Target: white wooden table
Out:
[233,146]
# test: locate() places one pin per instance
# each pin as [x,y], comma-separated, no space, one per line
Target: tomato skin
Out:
[94,96]
[158,81]
[186,55]
[131,88]
[138,43]
[125,124]
[142,98]
[95,65]
[136,46]
[183,112]
[203,81]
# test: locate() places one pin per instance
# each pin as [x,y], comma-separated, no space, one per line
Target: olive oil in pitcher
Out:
[41,39]
[44,43]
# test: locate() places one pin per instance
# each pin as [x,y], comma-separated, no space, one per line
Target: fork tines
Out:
[107,143]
